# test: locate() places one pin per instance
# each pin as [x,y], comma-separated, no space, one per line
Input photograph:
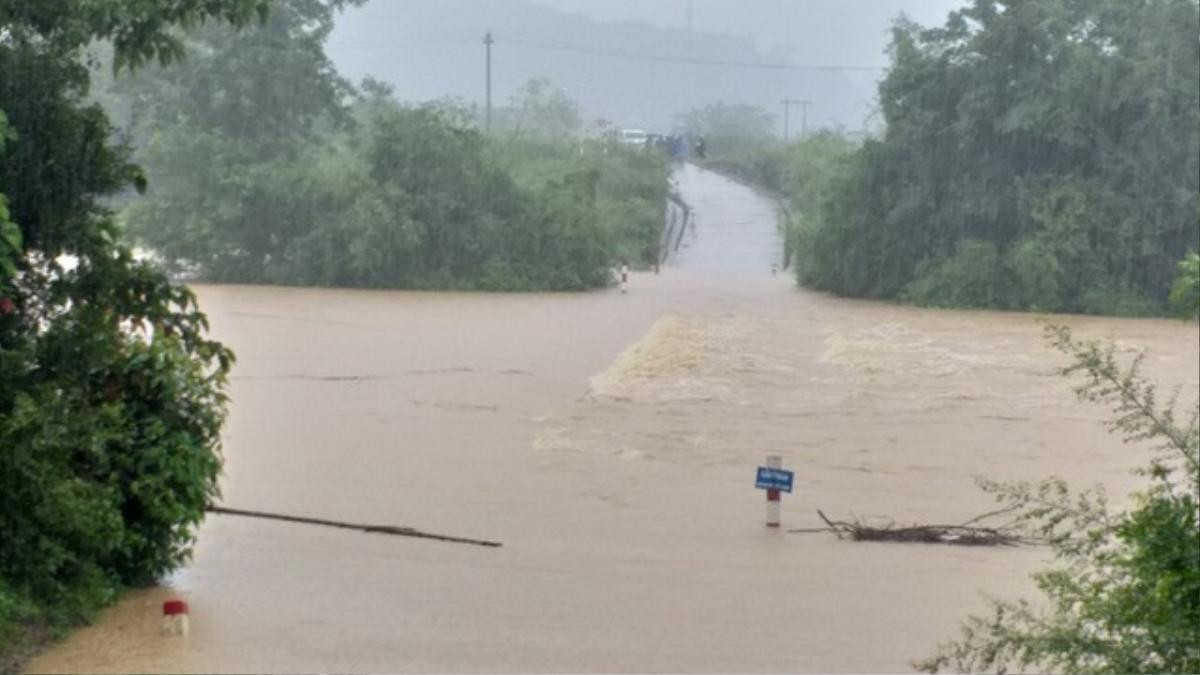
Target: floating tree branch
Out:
[969,533]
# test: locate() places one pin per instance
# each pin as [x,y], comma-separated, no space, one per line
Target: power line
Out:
[448,39]
[463,38]
[642,56]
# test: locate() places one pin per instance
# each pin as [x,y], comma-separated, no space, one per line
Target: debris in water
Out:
[966,534]
[378,529]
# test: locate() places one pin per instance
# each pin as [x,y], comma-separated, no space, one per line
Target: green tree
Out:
[1185,293]
[416,197]
[268,168]
[539,109]
[111,396]
[227,137]
[10,235]
[1065,134]
[1125,597]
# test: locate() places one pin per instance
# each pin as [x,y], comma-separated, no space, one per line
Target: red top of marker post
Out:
[174,607]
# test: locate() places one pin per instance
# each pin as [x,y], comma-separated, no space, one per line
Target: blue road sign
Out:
[773,479]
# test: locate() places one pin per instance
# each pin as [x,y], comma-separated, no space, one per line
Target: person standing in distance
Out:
[624,276]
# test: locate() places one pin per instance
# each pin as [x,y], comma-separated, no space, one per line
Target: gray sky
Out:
[846,31]
[621,58]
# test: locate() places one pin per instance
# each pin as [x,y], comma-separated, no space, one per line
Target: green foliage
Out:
[541,110]
[111,396]
[728,129]
[966,279]
[424,204]
[809,164]
[21,629]
[1125,597]
[10,244]
[139,31]
[1185,293]
[268,168]
[228,135]
[10,235]
[1036,275]
[798,171]
[630,190]
[1065,134]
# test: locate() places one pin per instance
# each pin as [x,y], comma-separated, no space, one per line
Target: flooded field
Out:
[609,441]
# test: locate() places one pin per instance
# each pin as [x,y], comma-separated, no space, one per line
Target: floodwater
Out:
[610,441]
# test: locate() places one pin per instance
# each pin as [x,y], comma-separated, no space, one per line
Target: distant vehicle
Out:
[632,137]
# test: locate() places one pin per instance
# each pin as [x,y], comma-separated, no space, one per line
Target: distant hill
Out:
[634,74]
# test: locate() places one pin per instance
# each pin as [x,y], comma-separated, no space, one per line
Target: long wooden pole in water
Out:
[378,529]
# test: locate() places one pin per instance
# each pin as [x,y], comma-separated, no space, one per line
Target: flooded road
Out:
[610,442]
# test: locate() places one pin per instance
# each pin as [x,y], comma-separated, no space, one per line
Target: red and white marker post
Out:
[175,617]
[773,462]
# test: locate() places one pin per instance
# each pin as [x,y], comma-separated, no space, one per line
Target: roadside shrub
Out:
[1035,274]
[1124,593]
[111,395]
[1185,292]
[969,278]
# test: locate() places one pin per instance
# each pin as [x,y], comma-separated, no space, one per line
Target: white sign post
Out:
[773,510]
[774,480]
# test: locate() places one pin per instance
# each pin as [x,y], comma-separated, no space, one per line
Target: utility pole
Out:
[488,42]
[692,79]
[787,107]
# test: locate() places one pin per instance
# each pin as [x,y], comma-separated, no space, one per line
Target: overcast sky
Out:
[851,32]
[430,49]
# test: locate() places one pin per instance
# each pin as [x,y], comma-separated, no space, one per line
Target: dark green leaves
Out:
[1124,596]
[1062,134]
[140,31]
[1185,293]
[111,394]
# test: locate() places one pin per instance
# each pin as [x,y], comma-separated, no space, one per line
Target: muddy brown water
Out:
[610,442]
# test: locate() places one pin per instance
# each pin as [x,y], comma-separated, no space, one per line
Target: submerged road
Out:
[609,441]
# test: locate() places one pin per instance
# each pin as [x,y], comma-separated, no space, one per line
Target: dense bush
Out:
[1124,596]
[630,191]
[408,198]
[110,395]
[966,279]
[1054,142]
[1185,293]
[266,167]
[236,140]
[1043,158]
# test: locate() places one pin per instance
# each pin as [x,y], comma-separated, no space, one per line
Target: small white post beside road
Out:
[175,617]
[774,479]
